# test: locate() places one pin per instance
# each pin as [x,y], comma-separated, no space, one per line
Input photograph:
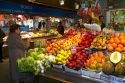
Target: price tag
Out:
[73,48]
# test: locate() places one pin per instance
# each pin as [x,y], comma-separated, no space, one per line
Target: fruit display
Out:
[62,57]
[117,43]
[96,61]
[35,62]
[86,40]
[115,66]
[52,47]
[75,50]
[99,43]
[77,59]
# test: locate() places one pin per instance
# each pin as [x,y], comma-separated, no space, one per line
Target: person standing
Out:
[60,28]
[17,50]
[102,24]
[39,25]
[2,35]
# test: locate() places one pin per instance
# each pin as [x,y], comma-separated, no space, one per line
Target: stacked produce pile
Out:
[116,65]
[77,59]
[35,62]
[117,43]
[72,51]
[96,61]
[99,43]
[60,48]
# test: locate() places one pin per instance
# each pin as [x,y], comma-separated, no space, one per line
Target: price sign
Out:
[73,48]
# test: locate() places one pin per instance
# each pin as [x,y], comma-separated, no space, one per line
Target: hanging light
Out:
[76,6]
[61,2]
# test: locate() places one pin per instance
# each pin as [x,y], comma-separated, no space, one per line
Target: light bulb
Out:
[61,2]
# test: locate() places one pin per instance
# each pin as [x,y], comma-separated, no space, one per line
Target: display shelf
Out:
[72,71]
[111,79]
[105,77]
[114,79]
[90,74]
[57,66]
[69,77]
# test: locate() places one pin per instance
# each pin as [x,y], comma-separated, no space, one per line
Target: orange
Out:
[123,49]
[100,54]
[99,59]
[110,48]
[123,41]
[122,34]
[118,49]
[114,45]
[121,37]
[120,45]
[117,41]
[111,41]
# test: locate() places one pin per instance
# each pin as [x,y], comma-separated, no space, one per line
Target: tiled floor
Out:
[4,72]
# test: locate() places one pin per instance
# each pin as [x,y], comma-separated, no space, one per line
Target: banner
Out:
[21,8]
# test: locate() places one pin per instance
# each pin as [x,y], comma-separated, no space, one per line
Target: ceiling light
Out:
[76,6]
[31,0]
[61,2]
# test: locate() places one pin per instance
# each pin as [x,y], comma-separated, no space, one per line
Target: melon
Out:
[115,57]
[120,69]
[108,68]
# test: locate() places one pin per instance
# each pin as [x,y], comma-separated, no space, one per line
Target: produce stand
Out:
[78,56]
[69,77]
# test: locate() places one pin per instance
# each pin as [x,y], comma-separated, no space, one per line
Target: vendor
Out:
[101,22]
[94,24]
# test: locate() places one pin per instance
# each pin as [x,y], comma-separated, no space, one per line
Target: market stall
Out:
[83,55]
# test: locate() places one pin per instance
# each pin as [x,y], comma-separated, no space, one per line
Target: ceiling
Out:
[69,4]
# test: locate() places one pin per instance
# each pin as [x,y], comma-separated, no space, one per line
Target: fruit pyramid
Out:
[99,43]
[117,43]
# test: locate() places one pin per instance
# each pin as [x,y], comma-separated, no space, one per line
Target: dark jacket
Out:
[60,29]
[102,26]
[2,35]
